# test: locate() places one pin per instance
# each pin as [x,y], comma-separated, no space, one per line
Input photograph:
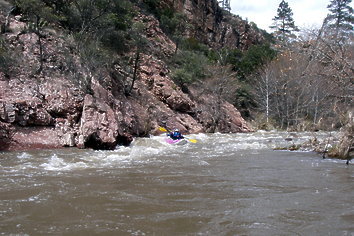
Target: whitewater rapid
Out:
[225,184]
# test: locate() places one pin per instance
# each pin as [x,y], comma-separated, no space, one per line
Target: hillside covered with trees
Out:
[97,73]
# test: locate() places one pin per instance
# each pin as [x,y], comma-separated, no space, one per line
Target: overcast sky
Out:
[307,13]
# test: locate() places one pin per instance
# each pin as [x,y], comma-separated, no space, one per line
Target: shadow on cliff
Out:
[96,143]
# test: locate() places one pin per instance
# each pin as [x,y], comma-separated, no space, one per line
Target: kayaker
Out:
[175,135]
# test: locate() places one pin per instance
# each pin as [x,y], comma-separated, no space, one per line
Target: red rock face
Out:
[98,125]
[53,110]
[5,138]
[214,27]
[24,138]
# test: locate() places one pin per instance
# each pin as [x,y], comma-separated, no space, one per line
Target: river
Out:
[225,184]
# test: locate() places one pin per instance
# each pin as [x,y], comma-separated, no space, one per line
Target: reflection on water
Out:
[226,184]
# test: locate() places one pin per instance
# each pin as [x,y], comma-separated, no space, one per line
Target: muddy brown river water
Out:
[226,184]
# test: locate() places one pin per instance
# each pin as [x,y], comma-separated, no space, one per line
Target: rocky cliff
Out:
[50,109]
[216,27]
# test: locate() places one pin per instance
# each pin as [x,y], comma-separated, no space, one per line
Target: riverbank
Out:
[339,144]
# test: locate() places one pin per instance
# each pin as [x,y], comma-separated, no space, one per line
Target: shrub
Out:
[244,100]
[190,67]
[5,58]
[245,63]
[192,44]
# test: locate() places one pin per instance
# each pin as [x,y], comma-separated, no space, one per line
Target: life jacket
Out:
[176,135]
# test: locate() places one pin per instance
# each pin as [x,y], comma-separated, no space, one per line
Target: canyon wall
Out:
[51,110]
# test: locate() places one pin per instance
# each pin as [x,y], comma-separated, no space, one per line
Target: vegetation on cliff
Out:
[96,73]
[287,82]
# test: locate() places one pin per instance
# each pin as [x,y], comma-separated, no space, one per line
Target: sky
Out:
[307,13]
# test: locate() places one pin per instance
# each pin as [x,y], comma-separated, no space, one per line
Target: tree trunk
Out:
[37,31]
[136,65]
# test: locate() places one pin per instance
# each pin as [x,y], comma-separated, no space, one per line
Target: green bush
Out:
[189,67]
[5,58]
[192,44]
[172,23]
[234,57]
[244,100]
[115,41]
[152,5]
[246,63]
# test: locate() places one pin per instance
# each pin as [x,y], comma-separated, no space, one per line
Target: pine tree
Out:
[283,23]
[341,18]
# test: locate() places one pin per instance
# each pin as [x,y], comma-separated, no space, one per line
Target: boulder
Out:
[62,98]
[98,125]
[24,138]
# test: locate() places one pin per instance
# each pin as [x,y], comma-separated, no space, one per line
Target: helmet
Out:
[176,130]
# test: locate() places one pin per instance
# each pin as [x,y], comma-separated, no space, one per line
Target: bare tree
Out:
[222,85]
[265,89]
[309,83]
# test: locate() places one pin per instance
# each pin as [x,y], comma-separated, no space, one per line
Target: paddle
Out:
[190,140]
[163,129]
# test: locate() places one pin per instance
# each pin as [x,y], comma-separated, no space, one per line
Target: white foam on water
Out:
[143,150]
[24,155]
[56,163]
[146,150]
[203,163]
